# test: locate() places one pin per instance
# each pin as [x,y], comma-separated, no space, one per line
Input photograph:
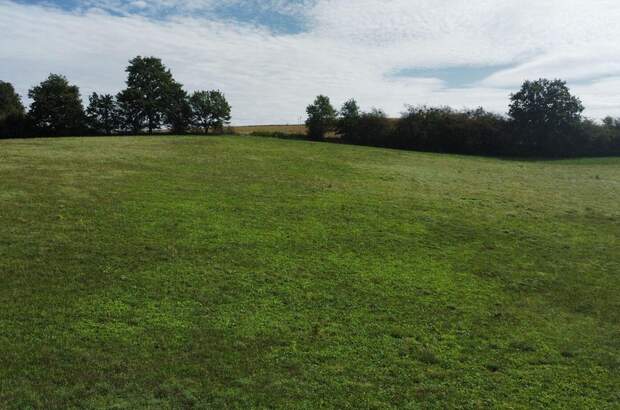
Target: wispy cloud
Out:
[347,48]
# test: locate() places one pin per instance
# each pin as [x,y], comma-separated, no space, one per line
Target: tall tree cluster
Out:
[152,100]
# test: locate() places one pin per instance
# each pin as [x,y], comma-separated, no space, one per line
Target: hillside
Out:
[247,272]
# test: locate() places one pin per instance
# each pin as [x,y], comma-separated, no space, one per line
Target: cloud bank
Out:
[342,48]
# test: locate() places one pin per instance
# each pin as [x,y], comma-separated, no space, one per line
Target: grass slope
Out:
[172,272]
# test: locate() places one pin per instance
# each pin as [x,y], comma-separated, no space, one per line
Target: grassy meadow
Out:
[247,272]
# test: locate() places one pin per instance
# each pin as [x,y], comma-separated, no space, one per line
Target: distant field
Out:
[244,272]
[285,129]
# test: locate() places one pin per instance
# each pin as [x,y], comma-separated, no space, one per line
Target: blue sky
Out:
[254,12]
[271,57]
[455,76]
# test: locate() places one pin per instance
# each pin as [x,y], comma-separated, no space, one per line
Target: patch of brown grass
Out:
[285,129]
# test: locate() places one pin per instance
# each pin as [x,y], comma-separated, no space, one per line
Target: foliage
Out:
[348,120]
[210,109]
[56,107]
[150,91]
[443,129]
[10,102]
[611,123]
[131,114]
[321,117]
[12,113]
[102,114]
[545,116]
[373,128]
[152,99]
[178,111]
[545,120]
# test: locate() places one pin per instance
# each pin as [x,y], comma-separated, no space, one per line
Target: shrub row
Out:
[544,120]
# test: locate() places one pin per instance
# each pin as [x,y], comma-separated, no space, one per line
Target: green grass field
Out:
[242,272]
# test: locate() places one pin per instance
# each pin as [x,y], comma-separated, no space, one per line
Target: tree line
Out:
[152,100]
[544,119]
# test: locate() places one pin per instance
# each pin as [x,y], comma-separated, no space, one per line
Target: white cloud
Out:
[573,66]
[139,4]
[348,50]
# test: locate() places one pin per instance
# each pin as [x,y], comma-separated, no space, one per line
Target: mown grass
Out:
[210,272]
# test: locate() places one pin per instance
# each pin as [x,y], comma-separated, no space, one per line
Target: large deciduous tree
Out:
[102,113]
[150,88]
[56,107]
[131,114]
[210,109]
[545,115]
[321,117]
[178,112]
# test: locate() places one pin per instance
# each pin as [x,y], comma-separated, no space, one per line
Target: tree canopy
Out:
[178,111]
[56,107]
[321,117]
[543,113]
[210,109]
[102,113]
[348,118]
[150,90]
[10,102]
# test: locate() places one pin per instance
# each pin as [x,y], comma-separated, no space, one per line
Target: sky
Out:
[272,57]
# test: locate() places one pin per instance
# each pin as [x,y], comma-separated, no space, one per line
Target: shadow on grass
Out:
[525,158]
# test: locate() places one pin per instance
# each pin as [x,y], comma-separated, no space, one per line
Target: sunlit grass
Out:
[254,272]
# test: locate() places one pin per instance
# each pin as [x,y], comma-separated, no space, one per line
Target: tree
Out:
[348,120]
[321,117]
[178,112]
[10,102]
[545,115]
[56,107]
[12,112]
[102,113]
[131,114]
[210,109]
[150,88]
[611,123]
[606,137]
